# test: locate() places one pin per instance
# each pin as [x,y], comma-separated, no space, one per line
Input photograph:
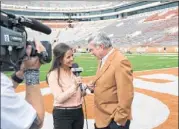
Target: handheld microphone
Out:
[76,71]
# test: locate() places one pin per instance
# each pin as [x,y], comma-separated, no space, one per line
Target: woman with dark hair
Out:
[67,112]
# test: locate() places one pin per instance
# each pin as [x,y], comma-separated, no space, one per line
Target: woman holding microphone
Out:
[67,112]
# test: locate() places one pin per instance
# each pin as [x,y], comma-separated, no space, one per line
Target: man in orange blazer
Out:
[113,85]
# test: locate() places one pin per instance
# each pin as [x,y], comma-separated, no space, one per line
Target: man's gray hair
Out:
[100,38]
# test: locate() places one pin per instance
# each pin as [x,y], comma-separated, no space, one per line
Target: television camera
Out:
[14,41]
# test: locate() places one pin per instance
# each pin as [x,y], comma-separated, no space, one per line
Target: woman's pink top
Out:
[65,95]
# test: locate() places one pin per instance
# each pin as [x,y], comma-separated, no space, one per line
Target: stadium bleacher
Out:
[153,28]
[134,31]
[61,5]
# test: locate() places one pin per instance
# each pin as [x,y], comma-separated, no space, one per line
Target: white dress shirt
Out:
[105,58]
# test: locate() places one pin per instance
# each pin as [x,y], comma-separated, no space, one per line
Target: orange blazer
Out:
[113,91]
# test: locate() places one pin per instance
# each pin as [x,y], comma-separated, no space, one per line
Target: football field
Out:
[139,62]
[155,104]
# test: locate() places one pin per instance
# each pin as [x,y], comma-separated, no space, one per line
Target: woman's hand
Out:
[77,82]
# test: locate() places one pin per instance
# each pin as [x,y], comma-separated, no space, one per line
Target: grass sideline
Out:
[139,62]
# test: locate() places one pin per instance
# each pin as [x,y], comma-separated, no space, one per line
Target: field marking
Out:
[93,67]
[168,58]
[168,87]
[137,70]
[89,70]
[140,71]
[134,71]
[85,77]
[153,55]
[145,114]
[169,100]
[160,76]
[148,109]
[155,69]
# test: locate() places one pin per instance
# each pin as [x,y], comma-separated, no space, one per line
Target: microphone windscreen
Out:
[79,69]
[35,25]
[40,27]
[75,65]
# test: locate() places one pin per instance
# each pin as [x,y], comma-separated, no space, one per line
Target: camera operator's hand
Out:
[18,76]
[33,62]
[28,63]
[20,73]
[32,75]
[39,47]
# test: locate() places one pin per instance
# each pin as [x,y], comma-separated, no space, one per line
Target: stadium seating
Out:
[61,5]
[131,31]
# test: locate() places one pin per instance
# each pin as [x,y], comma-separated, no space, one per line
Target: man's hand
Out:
[91,86]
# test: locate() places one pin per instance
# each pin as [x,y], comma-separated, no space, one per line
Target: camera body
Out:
[14,42]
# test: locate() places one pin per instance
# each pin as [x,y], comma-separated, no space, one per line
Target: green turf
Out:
[150,61]
[139,63]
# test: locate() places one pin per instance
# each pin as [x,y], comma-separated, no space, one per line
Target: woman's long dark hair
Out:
[59,52]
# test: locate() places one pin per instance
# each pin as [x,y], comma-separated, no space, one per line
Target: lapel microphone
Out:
[76,71]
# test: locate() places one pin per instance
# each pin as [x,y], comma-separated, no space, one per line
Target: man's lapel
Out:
[105,66]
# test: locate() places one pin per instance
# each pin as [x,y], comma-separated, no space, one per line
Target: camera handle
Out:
[10,59]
